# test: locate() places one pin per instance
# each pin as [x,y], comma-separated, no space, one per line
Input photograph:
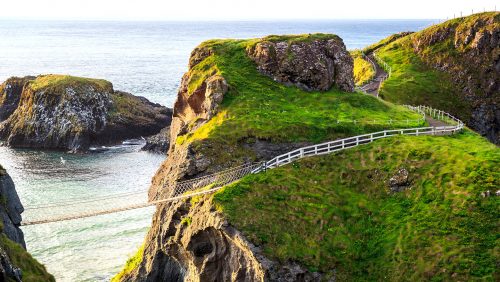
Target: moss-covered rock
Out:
[73,113]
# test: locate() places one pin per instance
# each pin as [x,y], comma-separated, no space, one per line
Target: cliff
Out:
[230,111]
[16,264]
[72,113]
[454,66]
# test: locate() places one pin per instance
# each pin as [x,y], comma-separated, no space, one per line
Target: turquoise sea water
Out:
[144,58]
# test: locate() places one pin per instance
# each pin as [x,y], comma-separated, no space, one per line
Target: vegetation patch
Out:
[413,82]
[132,263]
[300,38]
[60,82]
[32,270]
[363,69]
[337,212]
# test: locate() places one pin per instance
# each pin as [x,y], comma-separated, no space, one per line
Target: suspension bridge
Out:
[442,123]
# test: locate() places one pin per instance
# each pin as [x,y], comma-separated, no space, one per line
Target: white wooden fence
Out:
[350,142]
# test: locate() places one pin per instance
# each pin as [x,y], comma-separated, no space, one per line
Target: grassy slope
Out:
[335,211]
[363,69]
[257,106]
[413,81]
[32,270]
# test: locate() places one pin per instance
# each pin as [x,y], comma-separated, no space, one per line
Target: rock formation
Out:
[71,113]
[11,236]
[318,64]
[11,210]
[191,241]
[158,143]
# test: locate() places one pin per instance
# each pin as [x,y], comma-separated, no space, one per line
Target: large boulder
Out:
[72,113]
[315,62]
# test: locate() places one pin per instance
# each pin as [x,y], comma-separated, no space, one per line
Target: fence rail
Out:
[350,142]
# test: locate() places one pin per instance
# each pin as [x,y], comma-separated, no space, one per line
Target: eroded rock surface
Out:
[69,113]
[10,214]
[316,64]
[198,244]
[10,209]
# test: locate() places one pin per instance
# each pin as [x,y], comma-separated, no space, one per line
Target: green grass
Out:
[258,107]
[32,270]
[131,264]
[300,38]
[416,80]
[384,42]
[58,82]
[413,82]
[363,69]
[336,211]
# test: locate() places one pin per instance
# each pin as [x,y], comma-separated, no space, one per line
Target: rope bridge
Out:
[89,207]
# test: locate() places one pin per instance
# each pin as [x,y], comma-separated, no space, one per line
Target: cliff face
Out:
[191,240]
[473,63]
[11,210]
[15,262]
[10,94]
[70,113]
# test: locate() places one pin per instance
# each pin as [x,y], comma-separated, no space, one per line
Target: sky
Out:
[190,10]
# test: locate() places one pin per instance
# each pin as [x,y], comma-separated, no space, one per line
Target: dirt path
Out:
[372,87]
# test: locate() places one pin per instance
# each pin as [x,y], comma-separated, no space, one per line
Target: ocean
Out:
[143,58]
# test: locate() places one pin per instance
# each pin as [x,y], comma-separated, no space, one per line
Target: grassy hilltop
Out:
[258,107]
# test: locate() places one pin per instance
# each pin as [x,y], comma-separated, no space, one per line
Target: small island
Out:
[70,113]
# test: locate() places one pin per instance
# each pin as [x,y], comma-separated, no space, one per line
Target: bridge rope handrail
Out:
[214,182]
[86,200]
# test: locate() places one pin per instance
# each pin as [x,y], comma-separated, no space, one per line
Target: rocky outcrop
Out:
[10,210]
[200,245]
[317,63]
[191,241]
[472,59]
[15,262]
[158,143]
[71,113]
